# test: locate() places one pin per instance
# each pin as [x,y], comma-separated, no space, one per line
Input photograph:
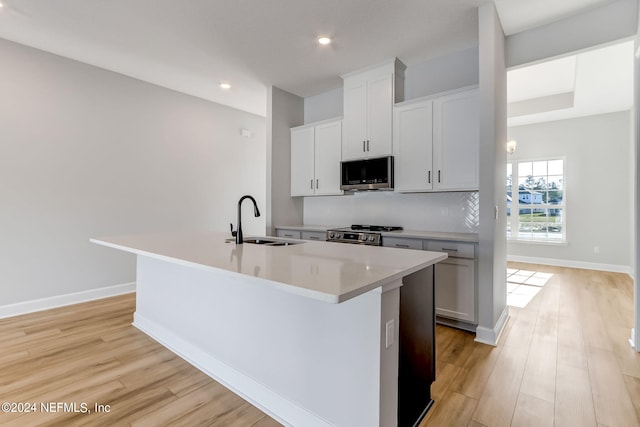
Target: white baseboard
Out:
[67,299]
[615,268]
[276,406]
[491,336]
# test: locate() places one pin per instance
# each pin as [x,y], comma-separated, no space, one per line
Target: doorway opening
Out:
[578,108]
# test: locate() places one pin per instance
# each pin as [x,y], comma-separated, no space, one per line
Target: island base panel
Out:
[303,361]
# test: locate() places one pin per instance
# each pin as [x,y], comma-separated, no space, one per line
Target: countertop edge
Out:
[405,234]
[308,293]
[397,276]
[285,287]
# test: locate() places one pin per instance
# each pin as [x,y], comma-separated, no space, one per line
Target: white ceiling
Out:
[191,46]
[521,15]
[600,81]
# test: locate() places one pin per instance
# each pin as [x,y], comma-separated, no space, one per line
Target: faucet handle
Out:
[233,233]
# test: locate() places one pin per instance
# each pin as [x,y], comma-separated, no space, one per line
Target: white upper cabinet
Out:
[315,159]
[456,135]
[435,143]
[413,147]
[302,161]
[355,121]
[369,96]
[327,158]
[380,116]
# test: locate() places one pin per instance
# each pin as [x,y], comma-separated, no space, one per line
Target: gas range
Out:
[360,234]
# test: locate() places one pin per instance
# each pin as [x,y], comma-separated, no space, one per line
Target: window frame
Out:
[513,221]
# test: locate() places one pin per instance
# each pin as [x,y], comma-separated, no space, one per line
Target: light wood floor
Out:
[90,353]
[563,360]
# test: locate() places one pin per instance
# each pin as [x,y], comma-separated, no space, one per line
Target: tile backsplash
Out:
[451,212]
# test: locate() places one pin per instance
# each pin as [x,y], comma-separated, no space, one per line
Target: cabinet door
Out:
[314,235]
[380,116]
[302,162]
[456,140]
[412,147]
[291,234]
[455,290]
[402,242]
[354,120]
[328,145]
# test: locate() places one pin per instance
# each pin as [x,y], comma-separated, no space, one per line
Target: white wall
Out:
[284,111]
[635,122]
[492,291]
[613,21]
[86,152]
[454,212]
[326,105]
[598,181]
[441,74]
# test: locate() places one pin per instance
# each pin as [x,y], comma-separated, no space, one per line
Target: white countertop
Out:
[414,234]
[331,272]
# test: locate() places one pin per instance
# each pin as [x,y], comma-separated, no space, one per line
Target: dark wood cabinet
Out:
[417,364]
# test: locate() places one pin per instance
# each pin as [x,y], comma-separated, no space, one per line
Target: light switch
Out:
[390,335]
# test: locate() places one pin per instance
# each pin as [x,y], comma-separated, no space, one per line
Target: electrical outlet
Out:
[596,249]
[390,335]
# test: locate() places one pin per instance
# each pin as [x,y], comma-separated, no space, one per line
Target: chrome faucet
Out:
[256,212]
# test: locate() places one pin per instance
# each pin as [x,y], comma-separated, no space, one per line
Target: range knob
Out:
[372,238]
[332,234]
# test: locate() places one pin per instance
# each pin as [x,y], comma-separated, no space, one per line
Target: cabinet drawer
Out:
[314,235]
[292,234]
[454,249]
[399,242]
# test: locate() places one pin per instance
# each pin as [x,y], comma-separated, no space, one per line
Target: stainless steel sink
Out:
[259,241]
[268,242]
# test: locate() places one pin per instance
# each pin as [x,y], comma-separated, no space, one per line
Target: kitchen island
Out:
[307,332]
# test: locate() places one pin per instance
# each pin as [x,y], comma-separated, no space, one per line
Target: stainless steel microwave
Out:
[367,174]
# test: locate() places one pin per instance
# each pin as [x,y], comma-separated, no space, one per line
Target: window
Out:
[535,200]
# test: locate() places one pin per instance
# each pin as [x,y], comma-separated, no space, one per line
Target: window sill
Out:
[538,242]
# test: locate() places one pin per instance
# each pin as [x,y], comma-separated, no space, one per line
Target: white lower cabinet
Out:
[455,289]
[292,234]
[301,234]
[314,235]
[455,280]
[399,242]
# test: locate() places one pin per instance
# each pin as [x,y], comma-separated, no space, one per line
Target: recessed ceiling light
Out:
[225,85]
[1,5]
[324,40]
